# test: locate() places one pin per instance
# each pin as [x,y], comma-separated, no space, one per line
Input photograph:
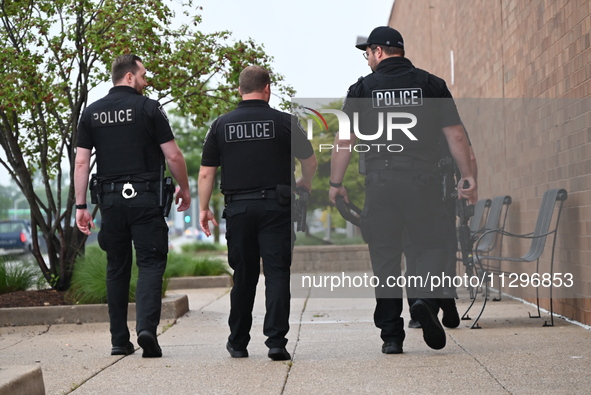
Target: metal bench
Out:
[552,201]
[496,219]
[480,217]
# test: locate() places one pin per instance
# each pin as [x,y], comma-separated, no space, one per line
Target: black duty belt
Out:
[263,194]
[400,164]
[137,186]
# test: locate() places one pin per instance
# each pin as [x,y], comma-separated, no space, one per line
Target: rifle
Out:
[349,211]
[300,207]
[448,178]
[465,211]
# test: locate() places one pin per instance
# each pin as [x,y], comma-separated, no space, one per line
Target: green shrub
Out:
[200,246]
[185,265]
[17,275]
[89,285]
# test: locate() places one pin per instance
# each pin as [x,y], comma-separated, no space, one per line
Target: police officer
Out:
[450,178]
[255,147]
[132,139]
[409,108]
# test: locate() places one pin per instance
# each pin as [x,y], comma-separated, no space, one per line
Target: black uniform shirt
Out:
[126,129]
[397,86]
[255,147]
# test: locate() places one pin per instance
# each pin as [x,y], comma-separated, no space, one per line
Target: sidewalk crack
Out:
[27,338]
[76,386]
[297,341]
[481,365]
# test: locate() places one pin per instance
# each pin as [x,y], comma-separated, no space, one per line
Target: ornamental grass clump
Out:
[17,275]
[89,284]
[186,265]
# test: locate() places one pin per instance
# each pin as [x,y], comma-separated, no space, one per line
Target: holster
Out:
[166,195]
[283,194]
[95,190]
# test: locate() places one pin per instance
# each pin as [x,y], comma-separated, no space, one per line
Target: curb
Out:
[172,308]
[21,380]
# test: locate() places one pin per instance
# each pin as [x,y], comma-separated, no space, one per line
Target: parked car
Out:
[193,233]
[15,237]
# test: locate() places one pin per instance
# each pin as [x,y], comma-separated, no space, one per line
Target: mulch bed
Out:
[46,297]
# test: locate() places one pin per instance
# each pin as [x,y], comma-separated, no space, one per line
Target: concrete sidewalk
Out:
[335,349]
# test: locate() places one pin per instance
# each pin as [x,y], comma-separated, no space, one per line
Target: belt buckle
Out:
[128,192]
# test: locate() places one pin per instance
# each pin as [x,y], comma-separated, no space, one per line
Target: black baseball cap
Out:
[383,35]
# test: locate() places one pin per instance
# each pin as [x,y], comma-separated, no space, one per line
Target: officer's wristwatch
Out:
[81,206]
[335,184]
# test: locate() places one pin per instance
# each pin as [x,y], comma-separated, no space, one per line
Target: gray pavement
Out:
[335,349]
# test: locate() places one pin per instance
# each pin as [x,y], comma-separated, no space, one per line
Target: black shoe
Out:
[236,353]
[414,324]
[451,318]
[149,343]
[123,350]
[433,332]
[279,354]
[392,348]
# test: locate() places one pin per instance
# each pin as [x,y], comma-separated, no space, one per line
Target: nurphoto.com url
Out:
[511,280]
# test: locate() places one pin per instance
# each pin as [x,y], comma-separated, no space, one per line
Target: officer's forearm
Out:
[474,165]
[205,185]
[178,169]
[459,148]
[339,161]
[81,172]
[309,166]
[176,163]
[81,183]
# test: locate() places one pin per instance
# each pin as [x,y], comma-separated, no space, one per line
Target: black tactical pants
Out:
[399,200]
[138,221]
[449,291]
[259,229]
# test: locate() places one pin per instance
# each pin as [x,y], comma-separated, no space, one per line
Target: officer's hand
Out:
[304,184]
[204,217]
[84,221]
[333,193]
[185,198]
[467,189]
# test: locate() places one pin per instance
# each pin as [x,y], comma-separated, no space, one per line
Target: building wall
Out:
[522,80]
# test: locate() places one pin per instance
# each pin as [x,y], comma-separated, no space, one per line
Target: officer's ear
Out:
[378,51]
[240,91]
[267,92]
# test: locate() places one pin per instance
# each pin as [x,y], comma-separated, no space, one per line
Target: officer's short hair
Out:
[253,79]
[124,64]
[388,50]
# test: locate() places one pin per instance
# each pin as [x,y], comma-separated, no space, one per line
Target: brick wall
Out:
[522,80]
[330,258]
